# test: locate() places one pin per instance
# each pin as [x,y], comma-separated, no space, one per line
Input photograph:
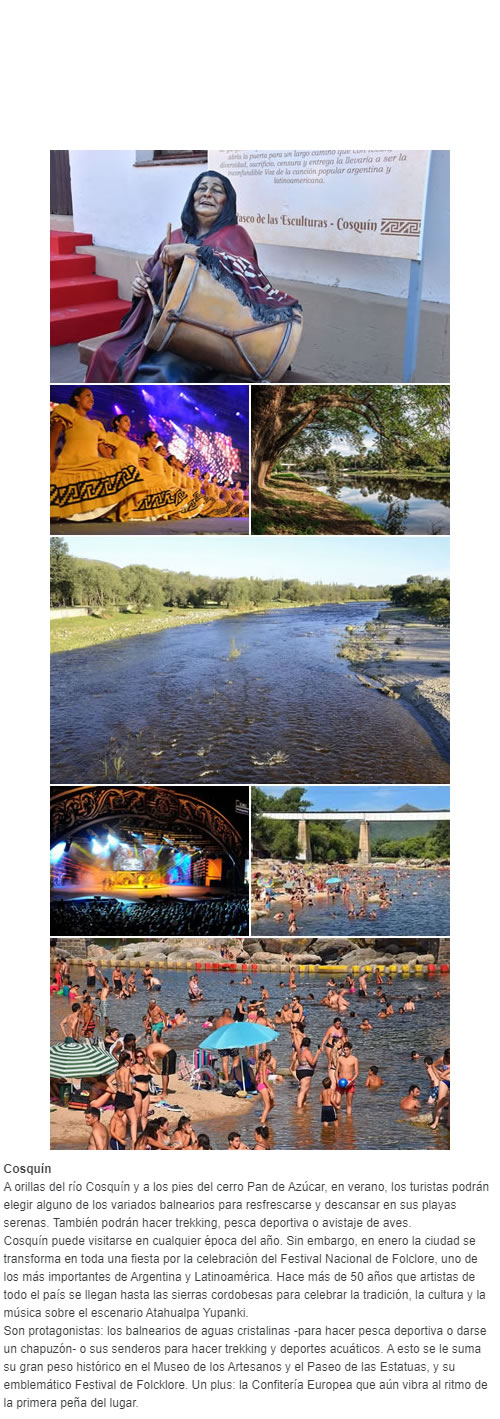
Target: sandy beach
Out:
[68,1128]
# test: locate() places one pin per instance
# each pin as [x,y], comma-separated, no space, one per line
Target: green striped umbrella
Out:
[79,1060]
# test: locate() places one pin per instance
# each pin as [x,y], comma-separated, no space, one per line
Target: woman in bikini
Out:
[141,1077]
[305,1069]
[263,1085]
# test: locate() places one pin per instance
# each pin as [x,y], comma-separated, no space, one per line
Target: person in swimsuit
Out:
[261,1135]
[263,1086]
[332,1040]
[443,1094]
[328,1110]
[373,1080]
[87,1019]
[235,1144]
[118,1131]
[194,991]
[306,1064]
[411,1101]
[102,999]
[346,1073]
[140,1078]
[98,1138]
[184,1135]
[124,1098]
[70,1026]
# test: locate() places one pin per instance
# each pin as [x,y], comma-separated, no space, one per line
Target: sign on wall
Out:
[367,201]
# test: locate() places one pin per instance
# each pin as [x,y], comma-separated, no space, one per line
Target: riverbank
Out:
[69,1130]
[79,632]
[290,507]
[407,657]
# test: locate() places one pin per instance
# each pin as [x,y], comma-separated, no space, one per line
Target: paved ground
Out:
[65,365]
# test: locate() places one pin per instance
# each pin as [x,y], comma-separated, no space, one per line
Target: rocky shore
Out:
[403,656]
[268,953]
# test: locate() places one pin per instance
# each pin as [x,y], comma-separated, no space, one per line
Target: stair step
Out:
[71,265]
[74,323]
[82,290]
[68,241]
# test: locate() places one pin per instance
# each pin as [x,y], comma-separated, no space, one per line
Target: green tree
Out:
[404,419]
[142,588]
[62,574]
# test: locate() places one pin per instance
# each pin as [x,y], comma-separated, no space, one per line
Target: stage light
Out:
[95,847]
[112,841]
[117,409]
[57,852]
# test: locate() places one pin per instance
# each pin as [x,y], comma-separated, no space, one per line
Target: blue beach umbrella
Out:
[240,1034]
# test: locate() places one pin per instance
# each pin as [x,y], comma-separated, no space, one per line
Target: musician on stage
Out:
[209,224]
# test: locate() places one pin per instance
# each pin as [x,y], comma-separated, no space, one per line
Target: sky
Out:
[382,798]
[367,560]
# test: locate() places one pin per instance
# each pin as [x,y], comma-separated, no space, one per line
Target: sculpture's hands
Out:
[139,286]
[174,251]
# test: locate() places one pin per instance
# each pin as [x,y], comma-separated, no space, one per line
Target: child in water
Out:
[328,1110]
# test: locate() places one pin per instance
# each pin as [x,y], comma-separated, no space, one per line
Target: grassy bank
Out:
[78,632]
[297,509]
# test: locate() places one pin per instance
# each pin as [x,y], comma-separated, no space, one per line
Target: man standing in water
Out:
[411,1101]
[363,986]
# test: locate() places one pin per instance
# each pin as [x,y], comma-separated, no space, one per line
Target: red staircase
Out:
[81,303]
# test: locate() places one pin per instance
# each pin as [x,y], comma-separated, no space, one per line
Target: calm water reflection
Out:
[399,505]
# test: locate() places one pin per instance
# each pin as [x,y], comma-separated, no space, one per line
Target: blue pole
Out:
[415,299]
[412,320]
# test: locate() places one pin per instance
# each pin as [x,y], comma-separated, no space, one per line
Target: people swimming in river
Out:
[300,893]
[271,1083]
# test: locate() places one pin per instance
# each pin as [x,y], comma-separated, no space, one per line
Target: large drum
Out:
[206,322]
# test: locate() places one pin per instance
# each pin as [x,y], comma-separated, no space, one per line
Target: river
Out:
[377,1121]
[402,506]
[419,906]
[245,699]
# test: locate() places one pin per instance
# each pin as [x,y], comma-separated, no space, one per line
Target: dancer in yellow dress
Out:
[149,502]
[190,485]
[84,484]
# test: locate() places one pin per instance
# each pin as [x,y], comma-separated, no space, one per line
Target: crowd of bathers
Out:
[104,916]
[358,892]
[130,1090]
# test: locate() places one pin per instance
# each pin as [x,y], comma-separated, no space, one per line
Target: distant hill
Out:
[397,832]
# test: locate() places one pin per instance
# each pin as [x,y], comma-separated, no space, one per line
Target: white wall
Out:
[128,207]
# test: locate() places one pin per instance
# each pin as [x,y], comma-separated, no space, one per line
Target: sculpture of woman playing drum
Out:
[227,315]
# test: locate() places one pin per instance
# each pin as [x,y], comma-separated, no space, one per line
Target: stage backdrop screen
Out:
[367,201]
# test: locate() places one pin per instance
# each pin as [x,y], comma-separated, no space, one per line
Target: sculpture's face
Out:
[209,199]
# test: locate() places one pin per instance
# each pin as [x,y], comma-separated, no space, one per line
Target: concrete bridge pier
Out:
[364,844]
[303,841]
